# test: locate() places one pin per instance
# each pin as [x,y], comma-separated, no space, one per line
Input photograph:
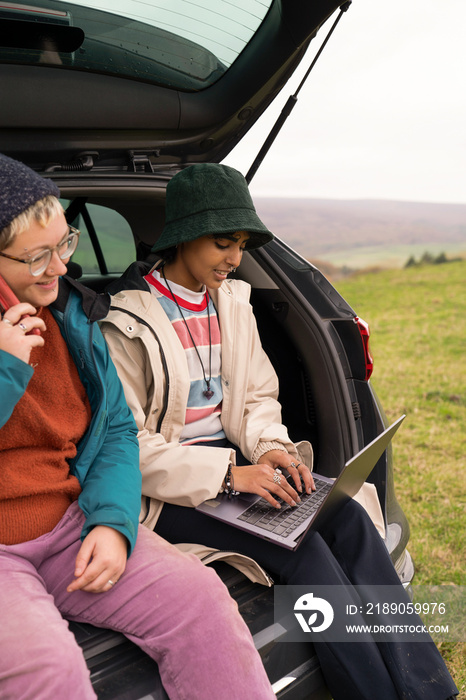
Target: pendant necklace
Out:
[208,393]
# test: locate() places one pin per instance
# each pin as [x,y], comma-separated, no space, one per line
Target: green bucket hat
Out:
[208,198]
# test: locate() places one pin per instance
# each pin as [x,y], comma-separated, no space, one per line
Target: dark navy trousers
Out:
[348,551]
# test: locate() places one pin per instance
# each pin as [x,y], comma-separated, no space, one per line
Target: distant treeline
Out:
[429,259]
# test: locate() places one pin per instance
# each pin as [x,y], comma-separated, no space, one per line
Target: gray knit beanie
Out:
[20,188]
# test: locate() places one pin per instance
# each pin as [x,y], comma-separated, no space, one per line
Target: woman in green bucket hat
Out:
[209,199]
[204,395]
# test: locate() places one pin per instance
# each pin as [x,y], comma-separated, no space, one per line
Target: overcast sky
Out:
[382,115]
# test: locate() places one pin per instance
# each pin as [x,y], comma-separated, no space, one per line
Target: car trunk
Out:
[112,100]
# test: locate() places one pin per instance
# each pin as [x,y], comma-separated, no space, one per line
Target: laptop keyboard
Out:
[285,521]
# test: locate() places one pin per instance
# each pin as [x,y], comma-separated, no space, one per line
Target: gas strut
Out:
[286,111]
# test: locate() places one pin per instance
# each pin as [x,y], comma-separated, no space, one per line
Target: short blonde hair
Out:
[42,212]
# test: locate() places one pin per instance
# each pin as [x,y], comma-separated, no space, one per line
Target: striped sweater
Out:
[202,422]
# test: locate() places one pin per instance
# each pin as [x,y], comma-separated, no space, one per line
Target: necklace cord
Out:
[208,393]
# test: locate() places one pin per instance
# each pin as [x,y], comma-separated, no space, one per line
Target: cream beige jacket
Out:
[152,366]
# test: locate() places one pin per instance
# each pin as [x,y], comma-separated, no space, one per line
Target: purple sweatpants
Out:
[178,611]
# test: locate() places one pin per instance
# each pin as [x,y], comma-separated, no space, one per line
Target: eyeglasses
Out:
[64,249]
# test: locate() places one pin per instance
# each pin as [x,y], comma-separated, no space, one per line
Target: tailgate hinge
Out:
[141,162]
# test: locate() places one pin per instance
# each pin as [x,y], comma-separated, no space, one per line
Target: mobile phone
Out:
[8,298]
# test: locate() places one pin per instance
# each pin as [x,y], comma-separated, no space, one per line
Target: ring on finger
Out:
[277,478]
[22,326]
[7,321]
[112,583]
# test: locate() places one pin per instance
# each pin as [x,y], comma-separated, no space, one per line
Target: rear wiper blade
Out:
[286,111]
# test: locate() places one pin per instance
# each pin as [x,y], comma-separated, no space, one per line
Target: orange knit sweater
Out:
[37,441]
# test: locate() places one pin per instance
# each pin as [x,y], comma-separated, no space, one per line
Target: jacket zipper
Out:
[87,368]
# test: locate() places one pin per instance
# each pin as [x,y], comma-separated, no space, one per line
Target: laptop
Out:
[287,526]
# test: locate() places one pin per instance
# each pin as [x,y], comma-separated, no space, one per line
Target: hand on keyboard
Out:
[266,482]
[278,459]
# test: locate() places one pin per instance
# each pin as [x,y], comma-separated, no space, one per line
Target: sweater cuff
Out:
[263,447]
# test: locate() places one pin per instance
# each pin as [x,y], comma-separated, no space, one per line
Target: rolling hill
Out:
[360,233]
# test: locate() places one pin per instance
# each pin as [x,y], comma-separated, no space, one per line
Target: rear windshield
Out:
[183,44]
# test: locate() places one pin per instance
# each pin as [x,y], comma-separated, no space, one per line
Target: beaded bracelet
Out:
[229,488]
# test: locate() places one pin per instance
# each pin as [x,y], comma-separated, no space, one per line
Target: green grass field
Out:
[417,318]
[392,256]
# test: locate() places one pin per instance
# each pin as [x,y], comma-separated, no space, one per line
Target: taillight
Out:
[365,334]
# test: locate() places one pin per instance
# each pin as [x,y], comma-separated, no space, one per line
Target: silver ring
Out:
[293,464]
[112,583]
[277,478]
[22,326]
[7,321]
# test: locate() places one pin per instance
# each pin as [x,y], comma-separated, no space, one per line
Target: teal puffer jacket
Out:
[107,460]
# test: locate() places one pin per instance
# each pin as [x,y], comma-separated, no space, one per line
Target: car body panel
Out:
[113,114]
